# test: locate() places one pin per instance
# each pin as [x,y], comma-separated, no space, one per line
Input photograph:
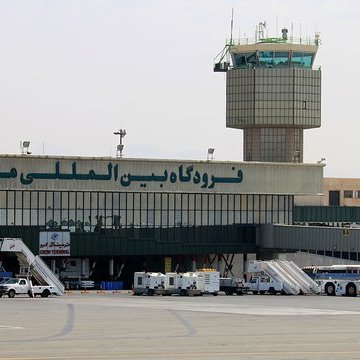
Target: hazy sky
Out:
[73,72]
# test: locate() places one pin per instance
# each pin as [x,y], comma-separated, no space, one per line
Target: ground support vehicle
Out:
[232,286]
[149,283]
[265,284]
[200,282]
[332,287]
[207,281]
[182,284]
[75,274]
[18,286]
[79,284]
[295,281]
[32,266]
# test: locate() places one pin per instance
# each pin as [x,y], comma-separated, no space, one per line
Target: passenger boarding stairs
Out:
[307,285]
[29,262]
[294,280]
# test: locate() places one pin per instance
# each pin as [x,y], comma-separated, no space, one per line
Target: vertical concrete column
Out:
[111,268]
[83,266]
[53,265]
[193,265]
[247,258]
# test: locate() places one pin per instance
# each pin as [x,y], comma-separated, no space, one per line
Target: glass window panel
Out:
[94,201]
[3,199]
[157,201]
[41,200]
[302,60]
[101,202]
[116,200]
[41,220]
[34,217]
[72,200]
[57,218]
[3,217]
[65,200]
[57,200]
[79,200]
[26,217]
[164,201]
[18,217]
[157,218]
[11,199]
[49,199]
[18,199]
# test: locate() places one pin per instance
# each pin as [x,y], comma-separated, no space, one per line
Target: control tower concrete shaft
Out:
[273,94]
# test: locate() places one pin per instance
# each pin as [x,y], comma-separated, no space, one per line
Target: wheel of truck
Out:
[330,289]
[272,291]
[182,292]
[215,293]
[351,290]
[1,295]
[151,292]
[30,294]
[45,293]
[255,292]
[228,292]
[11,293]
[262,292]
[239,292]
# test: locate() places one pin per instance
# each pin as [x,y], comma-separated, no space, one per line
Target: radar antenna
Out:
[232,27]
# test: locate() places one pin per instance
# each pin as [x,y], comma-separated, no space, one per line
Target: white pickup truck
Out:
[17,286]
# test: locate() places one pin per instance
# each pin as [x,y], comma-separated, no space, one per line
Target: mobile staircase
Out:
[295,281]
[31,263]
[307,285]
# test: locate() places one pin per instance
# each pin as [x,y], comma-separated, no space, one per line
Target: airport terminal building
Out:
[125,215]
[145,209]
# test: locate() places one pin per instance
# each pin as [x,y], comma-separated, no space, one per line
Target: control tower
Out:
[272,93]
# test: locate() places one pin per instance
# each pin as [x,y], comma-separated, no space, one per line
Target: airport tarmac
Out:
[118,325]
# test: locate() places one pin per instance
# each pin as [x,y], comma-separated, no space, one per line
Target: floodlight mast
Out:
[210,154]
[120,147]
[24,146]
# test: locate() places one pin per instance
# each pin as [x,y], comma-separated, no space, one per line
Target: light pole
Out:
[24,146]
[120,147]
[210,154]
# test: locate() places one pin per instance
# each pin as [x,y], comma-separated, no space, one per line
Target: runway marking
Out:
[191,330]
[192,355]
[67,329]
[238,309]
[8,327]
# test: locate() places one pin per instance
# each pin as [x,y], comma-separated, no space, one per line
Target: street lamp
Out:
[24,146]
[120,147]
[210,154]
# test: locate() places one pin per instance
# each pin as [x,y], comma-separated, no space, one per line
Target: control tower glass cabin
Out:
[273,94]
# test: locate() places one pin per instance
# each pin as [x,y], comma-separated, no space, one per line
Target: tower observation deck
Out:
[272,93]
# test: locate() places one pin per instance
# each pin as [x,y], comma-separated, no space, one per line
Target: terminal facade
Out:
[141,211]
